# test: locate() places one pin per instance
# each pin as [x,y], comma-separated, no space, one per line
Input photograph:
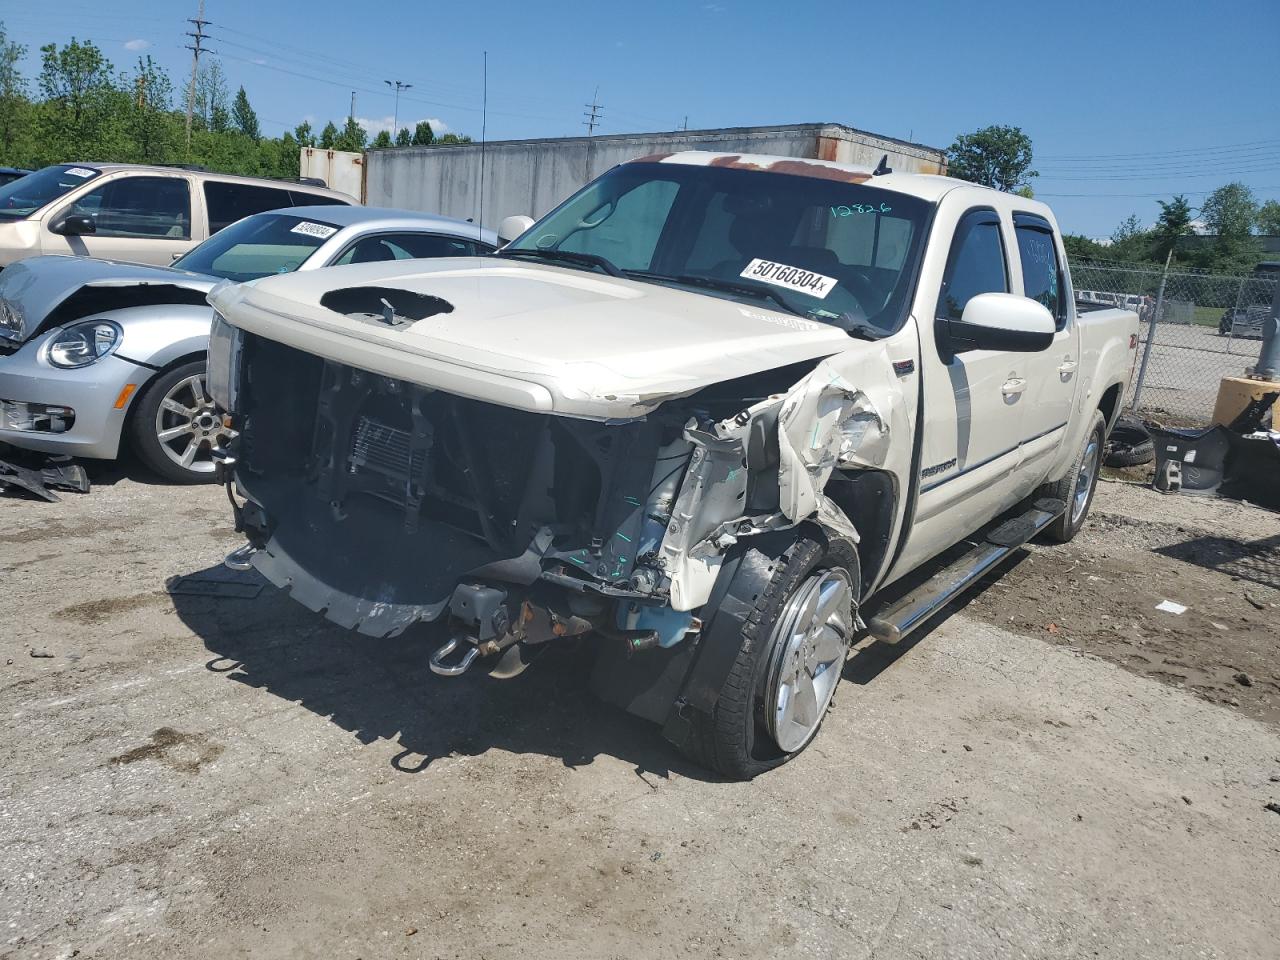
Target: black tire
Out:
[734,741]
[1129,444]
[143,433]
[1069,524]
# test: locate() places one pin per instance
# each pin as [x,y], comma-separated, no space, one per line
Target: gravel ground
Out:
[198,777]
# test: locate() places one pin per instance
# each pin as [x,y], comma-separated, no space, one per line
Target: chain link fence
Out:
[1208,326]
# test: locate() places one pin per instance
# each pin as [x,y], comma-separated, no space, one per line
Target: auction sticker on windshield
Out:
[321,230]
[792,278]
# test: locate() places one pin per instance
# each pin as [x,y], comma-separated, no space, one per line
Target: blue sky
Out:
[1125,101]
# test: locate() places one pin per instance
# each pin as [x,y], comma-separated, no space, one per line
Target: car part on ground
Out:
[1129,444]
[41,475]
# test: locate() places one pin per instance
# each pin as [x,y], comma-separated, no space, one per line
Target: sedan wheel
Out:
[189,426]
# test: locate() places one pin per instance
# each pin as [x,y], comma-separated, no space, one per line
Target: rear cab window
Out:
[1042,278]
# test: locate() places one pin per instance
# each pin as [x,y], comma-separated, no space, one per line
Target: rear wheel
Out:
[1077,487]
[175,425]
[792,652]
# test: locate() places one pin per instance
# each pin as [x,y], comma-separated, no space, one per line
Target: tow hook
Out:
[457,669]
[240,558]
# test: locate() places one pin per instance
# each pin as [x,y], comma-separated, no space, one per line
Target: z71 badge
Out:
[937,468]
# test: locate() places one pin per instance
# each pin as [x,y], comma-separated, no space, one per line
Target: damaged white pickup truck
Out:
[695,417]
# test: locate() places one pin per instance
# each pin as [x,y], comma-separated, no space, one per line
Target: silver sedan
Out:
[94,352]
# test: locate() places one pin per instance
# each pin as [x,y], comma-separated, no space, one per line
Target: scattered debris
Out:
[1272,806]
[411,931]
[1254,601]
[1243,679]
[1169,606]
[1052,628]
[972,860]
[968,749]
[40,654]
[56,472]
[1186,800]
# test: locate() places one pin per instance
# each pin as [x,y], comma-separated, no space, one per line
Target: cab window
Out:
[976,264]
[157,208]
[1041,272]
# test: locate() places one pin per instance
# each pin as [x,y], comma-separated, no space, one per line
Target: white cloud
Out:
[374,124]
[137,44]
[260,61]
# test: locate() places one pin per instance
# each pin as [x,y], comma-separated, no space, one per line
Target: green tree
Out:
[452,138]
[1269,219]
[1130,240]
[243,118]
[381,141]
[353,137]
[1082,248]
[83,110]
[302,133]
[328,136]
[152,126]
[14,106]
[423,135]
[1174,222]
[1229,215]
[404,138]
[994,156]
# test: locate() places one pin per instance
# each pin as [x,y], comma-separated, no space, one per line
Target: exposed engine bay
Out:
[383,503]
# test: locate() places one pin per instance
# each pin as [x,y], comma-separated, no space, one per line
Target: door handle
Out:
[1068,366]
[1013,387]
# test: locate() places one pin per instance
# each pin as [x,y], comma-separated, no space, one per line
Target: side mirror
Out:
[1002,321]
[512,227]
[73,225]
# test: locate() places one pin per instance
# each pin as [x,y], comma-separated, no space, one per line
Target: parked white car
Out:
[94,352]
[142,214]
[703,412]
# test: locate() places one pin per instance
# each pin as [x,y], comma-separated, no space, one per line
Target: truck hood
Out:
[534,337]
[37,286]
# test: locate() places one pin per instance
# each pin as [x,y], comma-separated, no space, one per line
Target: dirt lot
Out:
[1056,770]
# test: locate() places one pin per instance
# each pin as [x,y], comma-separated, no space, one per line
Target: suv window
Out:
[147,207]
[1041,273]
[977,263]
[301,199]
[229,202]
[405,246]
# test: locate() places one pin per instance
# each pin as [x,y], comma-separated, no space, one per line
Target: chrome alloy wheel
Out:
[1084,479]
[809,646]
[188,425]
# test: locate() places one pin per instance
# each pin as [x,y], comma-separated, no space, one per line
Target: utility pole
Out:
[196,48]
[395,117]
[593,117]
[685,124]
[352,114]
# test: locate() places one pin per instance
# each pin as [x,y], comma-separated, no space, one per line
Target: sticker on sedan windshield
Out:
[792,278]
[80,172]
[321,230]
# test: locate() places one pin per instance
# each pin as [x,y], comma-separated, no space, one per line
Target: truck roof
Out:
[926,186]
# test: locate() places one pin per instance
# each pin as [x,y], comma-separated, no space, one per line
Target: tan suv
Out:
[123,211]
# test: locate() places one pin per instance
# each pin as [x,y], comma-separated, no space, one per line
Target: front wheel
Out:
[791,654]
[175,425]
[1077,487]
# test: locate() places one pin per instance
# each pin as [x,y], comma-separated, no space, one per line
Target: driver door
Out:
[138,218]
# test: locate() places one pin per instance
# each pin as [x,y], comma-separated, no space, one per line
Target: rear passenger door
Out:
[1052,373]
[139,218]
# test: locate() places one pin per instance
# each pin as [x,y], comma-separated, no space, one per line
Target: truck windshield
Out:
[21,198]
[832,250]
[258,246]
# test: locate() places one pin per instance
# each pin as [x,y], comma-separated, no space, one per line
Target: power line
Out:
[593,117]
[1098,157]
[196,49]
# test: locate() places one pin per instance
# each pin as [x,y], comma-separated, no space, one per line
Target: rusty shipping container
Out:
[532,176]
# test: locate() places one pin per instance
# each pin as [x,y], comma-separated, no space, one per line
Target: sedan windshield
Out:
[258,246]
[832,250]
[23,197]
